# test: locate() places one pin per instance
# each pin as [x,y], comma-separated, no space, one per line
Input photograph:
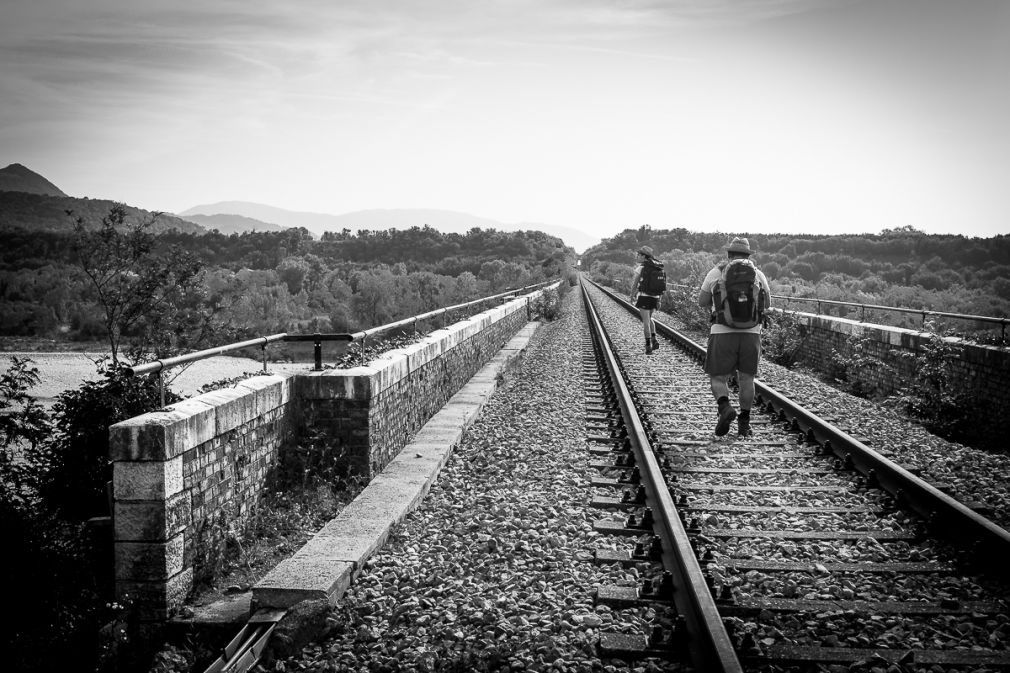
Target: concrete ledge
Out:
[324,566]
[303,579]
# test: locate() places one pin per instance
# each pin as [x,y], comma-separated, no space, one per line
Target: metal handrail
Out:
[363,335]
[1002,322]
[168,363]
[159,366]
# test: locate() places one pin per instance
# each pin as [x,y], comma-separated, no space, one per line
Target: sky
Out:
[738,116]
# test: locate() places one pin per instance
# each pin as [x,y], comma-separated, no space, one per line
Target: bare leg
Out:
[720,385]
[646,314]
[746,383]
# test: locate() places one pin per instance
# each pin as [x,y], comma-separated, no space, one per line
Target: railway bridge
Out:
[551,498]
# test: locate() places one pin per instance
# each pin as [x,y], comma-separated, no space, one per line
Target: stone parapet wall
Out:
[367,414]
[980,372]
[187,476]
[183,476]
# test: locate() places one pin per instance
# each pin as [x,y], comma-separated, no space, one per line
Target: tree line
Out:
[244,285]
[900,267]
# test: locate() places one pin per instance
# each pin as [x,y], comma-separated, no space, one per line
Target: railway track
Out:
[797,548]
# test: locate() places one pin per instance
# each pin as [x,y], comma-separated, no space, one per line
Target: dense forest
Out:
[900,267]
[259,283]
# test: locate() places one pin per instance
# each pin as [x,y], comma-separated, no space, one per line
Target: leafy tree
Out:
[374,297]
[24,425]
[465,288]
[292,271]
[137,288]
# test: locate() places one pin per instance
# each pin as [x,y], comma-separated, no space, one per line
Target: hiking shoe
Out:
[655,343]
[743,424]
[648,347]
[726,415]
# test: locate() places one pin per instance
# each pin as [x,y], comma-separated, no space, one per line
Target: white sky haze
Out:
[760,116]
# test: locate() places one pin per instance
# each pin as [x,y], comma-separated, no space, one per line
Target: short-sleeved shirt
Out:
[708,285]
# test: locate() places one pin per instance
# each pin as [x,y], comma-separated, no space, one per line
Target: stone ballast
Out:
[188,476]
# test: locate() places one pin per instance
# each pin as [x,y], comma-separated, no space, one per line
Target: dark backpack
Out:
[740,300]
[653,278]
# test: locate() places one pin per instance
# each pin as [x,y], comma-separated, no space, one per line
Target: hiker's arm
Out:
[705,300]
[634,285]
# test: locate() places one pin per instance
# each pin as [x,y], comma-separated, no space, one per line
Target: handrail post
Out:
[361,350]
[862,313]
[263,348]
[161,386]
[317,351]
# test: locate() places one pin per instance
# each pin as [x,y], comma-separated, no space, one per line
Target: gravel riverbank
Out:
[69,370]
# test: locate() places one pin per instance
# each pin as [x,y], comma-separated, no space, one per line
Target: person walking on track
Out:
[647,287]
[737,294]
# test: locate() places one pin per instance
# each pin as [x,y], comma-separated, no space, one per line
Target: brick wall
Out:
[182,477]
[368,414]
[980,371]
[187,475]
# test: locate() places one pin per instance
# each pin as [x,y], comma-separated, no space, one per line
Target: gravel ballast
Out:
[494,570]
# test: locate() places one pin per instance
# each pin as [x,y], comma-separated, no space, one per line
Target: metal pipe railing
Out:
[1002,322]
[159,366]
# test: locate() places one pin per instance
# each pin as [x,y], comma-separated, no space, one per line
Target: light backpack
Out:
[653,278]
[739,298]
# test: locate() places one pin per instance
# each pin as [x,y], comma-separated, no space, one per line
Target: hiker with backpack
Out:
[648,286]
[737,293]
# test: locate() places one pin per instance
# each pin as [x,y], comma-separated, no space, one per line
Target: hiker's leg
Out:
[749,356]
[746,383]
[646,314]
[720,386]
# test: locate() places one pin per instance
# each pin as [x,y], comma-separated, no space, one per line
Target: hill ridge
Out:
[19,178]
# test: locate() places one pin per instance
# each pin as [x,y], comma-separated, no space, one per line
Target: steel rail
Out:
[947,517]
[712,648]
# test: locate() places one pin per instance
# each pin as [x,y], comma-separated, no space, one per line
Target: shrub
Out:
[931,396]
[857,370]
[681,302]
[547,306]
[782,338]
[80,466]
[60,580]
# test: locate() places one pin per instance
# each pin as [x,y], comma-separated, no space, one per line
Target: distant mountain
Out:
[40,212]
[29,201]
[17,178]
[232,224]
[445,221]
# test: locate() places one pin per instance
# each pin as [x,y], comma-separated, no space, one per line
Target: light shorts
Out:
[647,302]
[728,353]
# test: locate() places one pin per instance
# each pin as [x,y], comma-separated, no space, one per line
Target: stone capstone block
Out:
[271,391]
[152,520]
[234,407]
[152,480]
[389,372]
[300,579]
[162,435]
[350,384]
